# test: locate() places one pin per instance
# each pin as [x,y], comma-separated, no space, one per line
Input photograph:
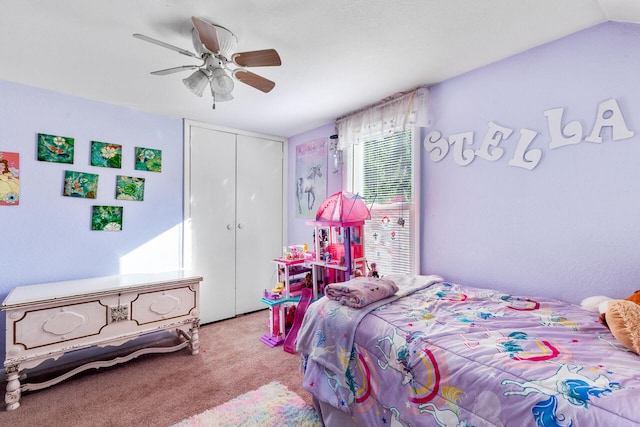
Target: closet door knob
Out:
[240,225]
[229,226]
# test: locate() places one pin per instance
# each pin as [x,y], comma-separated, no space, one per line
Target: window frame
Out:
[350,180]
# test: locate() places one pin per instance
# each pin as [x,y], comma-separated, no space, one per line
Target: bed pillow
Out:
[623,318]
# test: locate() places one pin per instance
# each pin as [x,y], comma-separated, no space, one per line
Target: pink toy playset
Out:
[338,255]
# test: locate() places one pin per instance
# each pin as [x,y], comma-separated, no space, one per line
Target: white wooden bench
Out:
[47,320]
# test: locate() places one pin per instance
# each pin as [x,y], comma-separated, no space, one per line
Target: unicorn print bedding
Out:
[445,354]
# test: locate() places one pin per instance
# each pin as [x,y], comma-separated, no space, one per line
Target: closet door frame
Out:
[186,234]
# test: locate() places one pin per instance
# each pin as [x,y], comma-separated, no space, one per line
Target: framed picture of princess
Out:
[9,179]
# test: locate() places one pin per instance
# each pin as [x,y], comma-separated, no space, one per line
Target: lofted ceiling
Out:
[337,56]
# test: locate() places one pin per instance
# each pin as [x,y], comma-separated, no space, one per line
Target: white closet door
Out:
[259,218]
[213,222]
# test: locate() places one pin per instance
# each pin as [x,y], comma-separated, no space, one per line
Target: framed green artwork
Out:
[106,218]
[52,148]
[106,155]
[80,184]
[129,188]
[148,159]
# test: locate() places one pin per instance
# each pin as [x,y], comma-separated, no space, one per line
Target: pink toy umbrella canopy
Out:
[343,207]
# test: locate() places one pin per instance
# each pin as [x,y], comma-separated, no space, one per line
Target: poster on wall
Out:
[53,148]
[129,188]
[148,159]
[106,218]
[80,184]
[311,177]
[106,155]
[9,179]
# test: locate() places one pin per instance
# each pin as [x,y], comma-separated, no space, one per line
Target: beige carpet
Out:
[163,389]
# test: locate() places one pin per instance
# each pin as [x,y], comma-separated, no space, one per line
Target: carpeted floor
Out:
[163,389]
[272,405]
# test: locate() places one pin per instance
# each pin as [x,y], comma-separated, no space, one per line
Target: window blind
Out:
[383,172]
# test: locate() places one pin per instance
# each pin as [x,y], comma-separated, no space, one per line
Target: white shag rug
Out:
[272,404]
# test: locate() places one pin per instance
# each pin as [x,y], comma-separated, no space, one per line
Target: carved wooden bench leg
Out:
[194,340]
[12,396]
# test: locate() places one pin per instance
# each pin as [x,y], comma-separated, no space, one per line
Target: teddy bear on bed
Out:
[620,316]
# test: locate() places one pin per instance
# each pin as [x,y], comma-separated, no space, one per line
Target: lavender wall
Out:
[568,228]
[48,237]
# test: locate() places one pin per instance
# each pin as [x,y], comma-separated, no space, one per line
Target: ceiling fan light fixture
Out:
[216,48]
[196,82]
[219,97]
[221,83]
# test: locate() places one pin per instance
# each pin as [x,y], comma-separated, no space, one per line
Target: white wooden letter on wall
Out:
[608,115]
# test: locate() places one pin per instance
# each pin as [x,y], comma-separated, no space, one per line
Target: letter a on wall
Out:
[613,119]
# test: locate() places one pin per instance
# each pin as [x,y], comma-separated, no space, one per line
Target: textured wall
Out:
[569,227]
[48,237]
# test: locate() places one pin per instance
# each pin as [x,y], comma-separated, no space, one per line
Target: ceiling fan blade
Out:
[174,70]
[257,58]
[207,33]
[163,44]
[254,80]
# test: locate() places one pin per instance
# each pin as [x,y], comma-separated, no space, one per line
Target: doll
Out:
[373,271]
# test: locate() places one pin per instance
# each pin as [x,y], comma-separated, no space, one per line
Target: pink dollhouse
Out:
[338,238]
[338,255]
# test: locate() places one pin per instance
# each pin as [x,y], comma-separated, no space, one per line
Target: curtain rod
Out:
[384,101]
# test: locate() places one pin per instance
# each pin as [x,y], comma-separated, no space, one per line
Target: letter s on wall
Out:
[436,145]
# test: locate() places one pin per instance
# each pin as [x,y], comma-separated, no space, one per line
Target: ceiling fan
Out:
[215,46]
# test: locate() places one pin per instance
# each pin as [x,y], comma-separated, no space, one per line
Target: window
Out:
[384,172]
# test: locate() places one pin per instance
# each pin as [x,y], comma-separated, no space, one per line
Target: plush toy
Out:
[622,317]
[597,304]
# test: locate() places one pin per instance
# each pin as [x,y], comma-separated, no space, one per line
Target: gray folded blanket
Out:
[361,291]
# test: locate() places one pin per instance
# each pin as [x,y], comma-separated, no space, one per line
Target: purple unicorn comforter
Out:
[453,355]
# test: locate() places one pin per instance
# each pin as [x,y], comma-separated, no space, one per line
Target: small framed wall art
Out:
[148,159]
[129,188]
[80,184]
[52,148]
[106,155]
[106,218]
[9,178]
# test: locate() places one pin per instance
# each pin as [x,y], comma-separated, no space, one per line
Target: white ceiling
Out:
[337,56]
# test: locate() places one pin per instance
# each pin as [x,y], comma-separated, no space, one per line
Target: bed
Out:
[444,354]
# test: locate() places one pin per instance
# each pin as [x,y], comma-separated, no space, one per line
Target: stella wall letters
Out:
[608,115]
